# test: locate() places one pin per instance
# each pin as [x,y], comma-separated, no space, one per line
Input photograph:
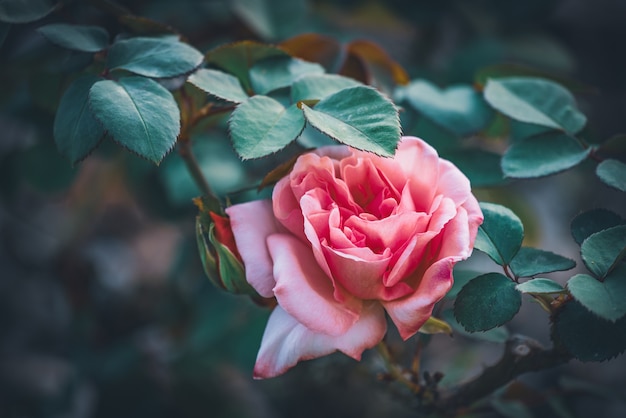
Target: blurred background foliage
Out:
[104,309]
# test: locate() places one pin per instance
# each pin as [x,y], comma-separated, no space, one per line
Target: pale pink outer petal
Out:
[410,313]
[252,222]
[286,341]
[305,291]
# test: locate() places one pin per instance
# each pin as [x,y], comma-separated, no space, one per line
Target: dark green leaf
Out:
[360,117]
[540,285]
[219,84]
[76,37]
[76,130]
[461,277]
[153,57]
[317,87]
[486,302]
[261,126]
[613,173]
[535,100]
[532,261]
[481,167]
[272,19]
[588,337]
[278,72]
[542,155]
[501,233]
[593,221]
[521,130]
[24,11]
[603,250]
[494,335]
[138,113]
[458,109]
[605,299]
[237,58]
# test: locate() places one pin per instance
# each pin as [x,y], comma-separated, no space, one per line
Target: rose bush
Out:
[347,236]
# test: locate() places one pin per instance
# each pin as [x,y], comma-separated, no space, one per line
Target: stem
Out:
[521,355]
[394,370]
[184,149]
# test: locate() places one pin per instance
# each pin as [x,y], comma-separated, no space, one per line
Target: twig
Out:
[521,355]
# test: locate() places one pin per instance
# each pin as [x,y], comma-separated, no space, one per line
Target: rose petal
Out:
[286,341]
[305,291]
[252,223]
[411,312]
[452,183]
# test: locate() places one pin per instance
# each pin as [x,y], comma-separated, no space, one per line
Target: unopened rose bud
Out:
[218,252]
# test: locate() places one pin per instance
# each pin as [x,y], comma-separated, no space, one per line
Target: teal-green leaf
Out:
[277,72]
[494,335]
[486,302]
[360,117]
[261,126]
[238,57]
[481,167]
[613,173]
[501,233]
[540,285]
[461,277]
[587,336]
[603,250]
[459,109]
[605,299]
[138,113]
[76,130]
[85,38]
[219,84]
[318,87]
[542,155]
[153,57]
[590,222]
[24,11]
[535,100]
[529,262]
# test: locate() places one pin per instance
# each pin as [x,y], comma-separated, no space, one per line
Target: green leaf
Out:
[272,19]
[138,113]
[83,38]
[532,261]
[535,100]
[602,251]
[360,117]
[153,57]
[318,87]
[605,299]
[540,285]
[261,126]
[481,167]
[435,326]
[542,155]
[613,173]
[24,11]
[461,278]
[501,233]
[76,130]
[458,109]
[219,84]
[593,221]
[588,337]
[237,58]
[486,302]
[494,335]
[278,72]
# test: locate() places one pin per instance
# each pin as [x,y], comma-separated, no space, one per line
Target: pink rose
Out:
[347,236]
